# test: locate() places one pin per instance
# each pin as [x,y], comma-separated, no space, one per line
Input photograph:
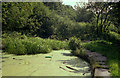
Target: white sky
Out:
[73,2]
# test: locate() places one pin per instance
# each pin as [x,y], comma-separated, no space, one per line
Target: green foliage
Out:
[116,15]
[74,43]
[91,46]
[12,45]
[31,45]
[15,15]
[83,15]
[112,27]
[79,52]
[64,27]
[112,36]
[102,42]
[13,35]
[56,45]
[109,50]
[62,22]
[76,46]
[84,31]
[62,10]
[46,20]
[26,17]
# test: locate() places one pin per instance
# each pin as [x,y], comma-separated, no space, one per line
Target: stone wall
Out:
[98,64]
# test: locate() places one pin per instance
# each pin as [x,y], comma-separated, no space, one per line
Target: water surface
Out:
[61,63]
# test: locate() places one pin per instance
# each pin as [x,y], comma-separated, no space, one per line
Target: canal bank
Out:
[98,63]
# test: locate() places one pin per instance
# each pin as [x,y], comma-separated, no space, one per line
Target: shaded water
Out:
[60,63]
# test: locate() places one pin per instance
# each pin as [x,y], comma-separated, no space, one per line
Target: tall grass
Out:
[31,45]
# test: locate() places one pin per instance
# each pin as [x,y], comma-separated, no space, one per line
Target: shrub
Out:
[14,46]
[82,52]
[79,52]
[31,45]
[56,44]
[13,35]
[103,42]
[76,46]
[112,37]
[74,43]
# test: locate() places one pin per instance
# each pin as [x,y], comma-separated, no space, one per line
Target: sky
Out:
[72,2]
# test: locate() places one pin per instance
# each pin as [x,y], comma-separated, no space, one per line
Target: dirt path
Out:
[62,63]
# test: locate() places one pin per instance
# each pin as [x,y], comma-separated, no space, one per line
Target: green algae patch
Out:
[61,64]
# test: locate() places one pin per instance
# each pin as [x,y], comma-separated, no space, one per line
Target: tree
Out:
[15,15]
[26,17]
[61,9]
[102,16]
[116,15]
[82,14]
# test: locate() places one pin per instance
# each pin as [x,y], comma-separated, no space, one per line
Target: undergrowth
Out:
[30,45]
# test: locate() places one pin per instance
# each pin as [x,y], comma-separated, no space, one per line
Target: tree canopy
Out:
[56,20]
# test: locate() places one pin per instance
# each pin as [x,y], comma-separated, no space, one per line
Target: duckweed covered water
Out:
[61,63]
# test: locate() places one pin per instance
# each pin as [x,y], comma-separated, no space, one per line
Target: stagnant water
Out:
[56,63]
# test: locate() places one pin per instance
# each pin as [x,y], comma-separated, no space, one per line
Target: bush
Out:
[74,43]
[56,44]
[14,46]
[112,37]
[79,52]
[103,42]
[76,46]
[13,35]
[31,45]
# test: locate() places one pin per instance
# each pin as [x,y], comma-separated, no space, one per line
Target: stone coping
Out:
[98,64]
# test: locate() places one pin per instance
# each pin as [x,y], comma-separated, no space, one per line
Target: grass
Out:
[31,45]
[111,51]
